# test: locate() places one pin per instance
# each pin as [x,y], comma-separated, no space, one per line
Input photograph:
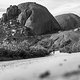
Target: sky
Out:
[54,6]
[48,3]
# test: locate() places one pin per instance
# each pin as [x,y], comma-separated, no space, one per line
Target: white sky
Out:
[47,3]
[50,4]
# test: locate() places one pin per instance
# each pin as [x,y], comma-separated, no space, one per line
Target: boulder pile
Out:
[20,28]
[29,30]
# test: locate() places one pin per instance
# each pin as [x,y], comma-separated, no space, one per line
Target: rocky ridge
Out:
[26,32]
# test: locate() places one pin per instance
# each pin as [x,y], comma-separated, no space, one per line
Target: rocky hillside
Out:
[29,30]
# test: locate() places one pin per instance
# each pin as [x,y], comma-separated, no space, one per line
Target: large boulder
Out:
[38,18]
[68,21]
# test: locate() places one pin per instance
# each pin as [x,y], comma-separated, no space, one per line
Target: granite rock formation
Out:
[4,17]
[12,12]
[38,18]
[17,42]
[29,30]
[68,21]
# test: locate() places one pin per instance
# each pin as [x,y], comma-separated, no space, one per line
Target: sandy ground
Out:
[61,66]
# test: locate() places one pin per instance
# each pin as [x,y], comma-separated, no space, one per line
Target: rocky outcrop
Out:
[22,50]
[18,42]
[68,21]
[38,18]
[38,46]
[29,30]
[12,12]
[15,43]
[4,17]
[67,41]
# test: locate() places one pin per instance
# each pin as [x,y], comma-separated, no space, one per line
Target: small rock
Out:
[45,74]
[60,64]
[65,59]
[79,66]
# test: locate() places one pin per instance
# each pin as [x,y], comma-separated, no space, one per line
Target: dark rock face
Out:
[15,44]
[12,12]
[38,18]
[23,17]
[23,6]
[68,21]
[4,17]
[19,31]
